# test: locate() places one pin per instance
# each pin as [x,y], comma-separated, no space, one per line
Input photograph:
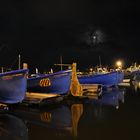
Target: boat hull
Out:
[132,76]
[107,80]
[58,83]
[13,86]
[120,76]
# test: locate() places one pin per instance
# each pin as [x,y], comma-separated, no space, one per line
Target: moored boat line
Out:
[62,83]
[65,82]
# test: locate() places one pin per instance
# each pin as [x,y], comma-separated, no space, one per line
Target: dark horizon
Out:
[42,31]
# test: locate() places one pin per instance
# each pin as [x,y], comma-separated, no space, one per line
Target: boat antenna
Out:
[61,62]
[19,61]
[2,70]
[100,61]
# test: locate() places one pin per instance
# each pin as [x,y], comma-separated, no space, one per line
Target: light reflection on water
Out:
[136,85]
[114,116]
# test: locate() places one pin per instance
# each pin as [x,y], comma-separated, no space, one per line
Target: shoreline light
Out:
[119,64]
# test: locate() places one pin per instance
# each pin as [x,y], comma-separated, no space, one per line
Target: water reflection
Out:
[84,119]
[110,98]
[136,85]
[77,111]
[12,128]
[133,85]
[57,122]
[61,121]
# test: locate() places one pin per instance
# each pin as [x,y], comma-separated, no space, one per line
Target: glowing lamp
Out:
[119,64]
[91,69]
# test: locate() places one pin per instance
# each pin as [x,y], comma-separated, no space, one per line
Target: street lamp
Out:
[119,64]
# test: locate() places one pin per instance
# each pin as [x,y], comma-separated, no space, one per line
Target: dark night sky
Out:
[42,30]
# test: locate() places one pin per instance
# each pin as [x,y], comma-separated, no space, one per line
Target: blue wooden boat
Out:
[120,76]
[13,86]
[107,79]
[58,83]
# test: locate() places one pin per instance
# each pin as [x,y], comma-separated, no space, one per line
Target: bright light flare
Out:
[119,64]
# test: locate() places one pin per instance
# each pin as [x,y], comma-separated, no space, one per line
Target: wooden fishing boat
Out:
[108,79]
[120,76]
[58,83]
[13,86]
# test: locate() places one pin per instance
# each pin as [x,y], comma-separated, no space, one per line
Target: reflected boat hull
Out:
[110,98]
[48,118]
[12,127]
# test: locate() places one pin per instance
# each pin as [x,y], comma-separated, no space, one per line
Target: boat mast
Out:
[2,70]
[19,61]
[100,61]
[61,62]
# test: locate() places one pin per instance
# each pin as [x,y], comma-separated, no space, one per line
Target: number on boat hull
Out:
[45,82]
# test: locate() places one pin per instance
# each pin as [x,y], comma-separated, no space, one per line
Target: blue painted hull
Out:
[120,76]
[58,83]
[13,86]
[107,80]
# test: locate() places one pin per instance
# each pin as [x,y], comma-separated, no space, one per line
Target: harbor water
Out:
[114,116]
